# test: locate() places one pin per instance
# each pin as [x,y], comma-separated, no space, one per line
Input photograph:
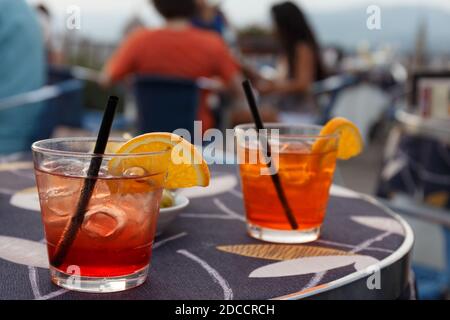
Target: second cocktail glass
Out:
[305,163]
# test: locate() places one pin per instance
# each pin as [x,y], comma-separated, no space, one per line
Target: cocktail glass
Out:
[112,247]
[305,163]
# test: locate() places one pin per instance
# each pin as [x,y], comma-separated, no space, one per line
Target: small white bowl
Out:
[167,215]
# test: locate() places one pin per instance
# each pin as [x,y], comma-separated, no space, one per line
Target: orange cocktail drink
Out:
[304,161]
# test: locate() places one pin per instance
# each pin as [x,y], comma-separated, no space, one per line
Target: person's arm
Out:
[235,87]
[123,61]
[227,69]
[304,75]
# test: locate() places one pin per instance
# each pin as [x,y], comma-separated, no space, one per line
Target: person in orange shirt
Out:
[177,49]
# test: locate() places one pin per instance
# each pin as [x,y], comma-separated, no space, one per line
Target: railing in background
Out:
[34,115]
[40,95]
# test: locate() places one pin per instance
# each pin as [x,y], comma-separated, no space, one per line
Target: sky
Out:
[103,19]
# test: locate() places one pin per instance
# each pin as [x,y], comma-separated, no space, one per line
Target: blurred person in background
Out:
[300,65]
[22,69]
[45,21]
[176,50]
[209,16]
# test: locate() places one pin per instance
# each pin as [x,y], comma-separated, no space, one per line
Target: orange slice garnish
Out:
[185,165]
[350,141]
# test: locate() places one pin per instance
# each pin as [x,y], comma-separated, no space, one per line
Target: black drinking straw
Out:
[248,89]
[71,230]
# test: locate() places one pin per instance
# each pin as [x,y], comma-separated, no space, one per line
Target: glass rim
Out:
[52,151]
[293,136]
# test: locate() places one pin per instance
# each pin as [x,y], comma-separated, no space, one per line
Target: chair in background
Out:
[416,180]
[76,115]
[327,92]
[166,104]
[65,110]
[34,115]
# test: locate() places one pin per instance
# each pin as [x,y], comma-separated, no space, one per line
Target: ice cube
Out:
[68,167]
[53,220]
[296,147]
[135,172]
[60,200]
[136,206]
[103,172]
[101,192]
[104,221]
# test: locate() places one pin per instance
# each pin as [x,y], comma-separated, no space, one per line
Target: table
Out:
[206,254]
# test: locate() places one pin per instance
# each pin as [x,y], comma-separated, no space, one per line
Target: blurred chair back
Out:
[416,180]
[33,115]
[166,104]
[330,88]
[66,109]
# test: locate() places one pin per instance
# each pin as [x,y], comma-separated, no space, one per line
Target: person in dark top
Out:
[299,66]
[301,62]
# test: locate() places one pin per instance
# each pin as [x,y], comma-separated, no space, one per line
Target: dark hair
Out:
[293,29]
[43,8]
[170,9]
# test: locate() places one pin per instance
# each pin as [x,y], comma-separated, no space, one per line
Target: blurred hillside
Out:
[399,27]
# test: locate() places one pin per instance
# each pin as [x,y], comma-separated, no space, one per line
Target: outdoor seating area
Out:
[221,150]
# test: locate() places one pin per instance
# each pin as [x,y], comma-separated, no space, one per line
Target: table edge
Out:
[403,251]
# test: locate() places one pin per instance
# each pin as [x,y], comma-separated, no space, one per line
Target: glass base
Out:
[98,285]
[283,236]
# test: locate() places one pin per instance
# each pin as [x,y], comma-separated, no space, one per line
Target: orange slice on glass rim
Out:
[185,165]
[350,141]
